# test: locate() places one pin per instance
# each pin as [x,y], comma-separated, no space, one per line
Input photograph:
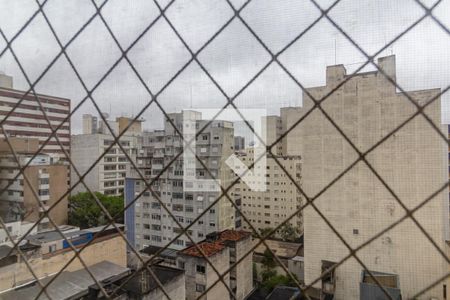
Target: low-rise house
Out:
[289,253]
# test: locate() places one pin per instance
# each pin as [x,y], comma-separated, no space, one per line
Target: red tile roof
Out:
[212,247]
[234,235]
[208,249]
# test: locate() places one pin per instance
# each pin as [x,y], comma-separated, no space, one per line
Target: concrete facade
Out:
[47,178]
[222,250]
[90,124]
[108,175]
[412,162]
[272,126]
[28,121]
[151,223]
[269,208]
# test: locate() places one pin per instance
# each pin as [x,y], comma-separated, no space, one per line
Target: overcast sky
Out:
[423,54]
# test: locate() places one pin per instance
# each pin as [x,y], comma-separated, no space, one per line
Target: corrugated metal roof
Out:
[68,284]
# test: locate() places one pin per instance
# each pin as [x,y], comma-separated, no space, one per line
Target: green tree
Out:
[84,211]
[288,233]
[268,261]
[265,231]
[270,283]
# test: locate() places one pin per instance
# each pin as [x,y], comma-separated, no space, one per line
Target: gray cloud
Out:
[423,58]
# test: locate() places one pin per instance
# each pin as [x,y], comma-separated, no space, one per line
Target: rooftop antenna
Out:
[335,55]
[191,93]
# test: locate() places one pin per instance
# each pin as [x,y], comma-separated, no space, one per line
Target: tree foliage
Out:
[271,282]
[289,233]
[268,261]
[84,211]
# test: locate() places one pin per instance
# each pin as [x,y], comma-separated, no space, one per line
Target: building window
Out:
[156,238]
[43,193]
[156,217]
[156,227]
[179,242]
[201,269]
[200,288]
[181,264]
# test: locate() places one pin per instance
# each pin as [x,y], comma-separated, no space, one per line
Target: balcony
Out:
[370,290]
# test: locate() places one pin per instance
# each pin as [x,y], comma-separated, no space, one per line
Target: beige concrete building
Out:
[222,250]
[412,161]
[272,127]
[267,209]
[90,124]
[135,127]
[108,175]
[47,178]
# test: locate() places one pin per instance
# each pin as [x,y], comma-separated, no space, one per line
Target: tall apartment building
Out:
[180,186]
[28,121]
[48,178]
[239,143]
[272,127]
[267,209]
[222,249]
[413,163]
[90,124]
[108,175]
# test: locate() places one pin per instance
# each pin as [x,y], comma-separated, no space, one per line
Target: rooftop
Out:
[284,292]
[280,248]
[208,248]
[68,285]
[49,236]
[151,250]
[165,274]
[215,242]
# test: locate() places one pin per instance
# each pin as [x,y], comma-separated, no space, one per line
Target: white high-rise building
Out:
[108,175]
[147,222]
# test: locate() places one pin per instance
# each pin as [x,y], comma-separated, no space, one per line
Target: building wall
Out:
[48,178]
[272,126]
[57,187]
[412,161]
[87,148]
[174,288]
[244,269]
[27,120]
[154,226]
[220,261]
[269,208]
[135,128]
[130,221]
[112,249]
